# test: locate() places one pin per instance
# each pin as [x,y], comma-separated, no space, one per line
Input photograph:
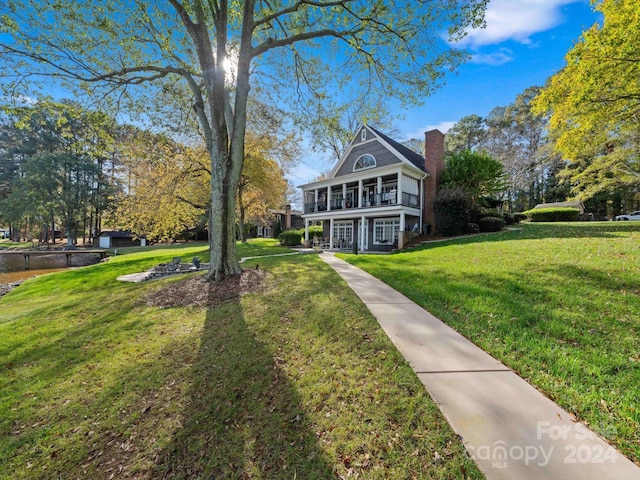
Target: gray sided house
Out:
[377,193]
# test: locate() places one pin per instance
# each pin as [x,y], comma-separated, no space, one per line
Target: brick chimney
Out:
[287,217]
[434,164]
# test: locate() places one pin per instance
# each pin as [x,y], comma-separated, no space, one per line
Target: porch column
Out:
[344,195]
[329,188]
[379,192]
[399,189]
[401,238]
[421,186]
[316,200]
[331,234]
[360,192]
[363,232]
[306,232]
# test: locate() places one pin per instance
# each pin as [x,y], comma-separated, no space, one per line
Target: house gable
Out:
[383,157]
[384,150]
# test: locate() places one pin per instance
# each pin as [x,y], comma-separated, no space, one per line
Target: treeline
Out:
[578,137]
[67,169]
[518,138]
[57,169]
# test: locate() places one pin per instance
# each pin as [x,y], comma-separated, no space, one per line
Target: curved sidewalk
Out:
[511,429]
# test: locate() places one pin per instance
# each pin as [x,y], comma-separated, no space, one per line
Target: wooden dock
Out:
[27,254]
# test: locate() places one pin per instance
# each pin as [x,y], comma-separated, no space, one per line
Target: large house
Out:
[378,192]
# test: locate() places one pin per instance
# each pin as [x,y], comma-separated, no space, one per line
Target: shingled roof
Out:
[117,234]
[413,157]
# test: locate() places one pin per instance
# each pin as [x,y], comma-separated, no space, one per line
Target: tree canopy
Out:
[468,133]
[594,103]
[165,185]
[53,154]
[475,173]
[307,47]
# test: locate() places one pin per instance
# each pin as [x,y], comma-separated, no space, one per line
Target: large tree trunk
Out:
[69,231]
[224,260]
[228,128]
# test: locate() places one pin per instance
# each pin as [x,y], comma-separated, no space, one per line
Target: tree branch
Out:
[193,204]
[270,43]
[294,8]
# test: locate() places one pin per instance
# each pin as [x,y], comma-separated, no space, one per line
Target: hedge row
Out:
[291,238]
[491,224]
[557,214]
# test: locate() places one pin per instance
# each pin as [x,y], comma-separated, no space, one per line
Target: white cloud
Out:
[443,126]
[504,55]
[303,173]
[516,20]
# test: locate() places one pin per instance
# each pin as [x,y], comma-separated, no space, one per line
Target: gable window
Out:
[363,135]
[363,162]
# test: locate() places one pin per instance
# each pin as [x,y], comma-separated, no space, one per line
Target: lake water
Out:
[12,266]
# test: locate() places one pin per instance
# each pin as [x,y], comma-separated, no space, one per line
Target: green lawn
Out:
[295,381]
[6,243]
[255,247]
[558,303]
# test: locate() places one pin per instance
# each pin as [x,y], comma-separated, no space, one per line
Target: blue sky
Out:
[524,43]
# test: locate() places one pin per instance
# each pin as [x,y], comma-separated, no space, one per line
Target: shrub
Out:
[491,202]
[474,214]
[290,238]
[451,211]
[472,228]
[314,231]
[491,224]
[556,214]
[519,217]
[508,218]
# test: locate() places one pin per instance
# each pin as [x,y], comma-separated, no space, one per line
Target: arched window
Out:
[363,162]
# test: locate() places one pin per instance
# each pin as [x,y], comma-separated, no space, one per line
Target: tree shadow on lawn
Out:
[243,418]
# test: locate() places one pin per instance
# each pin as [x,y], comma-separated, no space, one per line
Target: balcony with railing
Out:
[372,201]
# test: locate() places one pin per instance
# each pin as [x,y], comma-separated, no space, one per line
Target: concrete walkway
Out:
[509,428]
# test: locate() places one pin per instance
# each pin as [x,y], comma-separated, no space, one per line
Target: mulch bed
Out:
[195,290]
